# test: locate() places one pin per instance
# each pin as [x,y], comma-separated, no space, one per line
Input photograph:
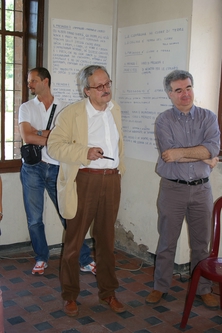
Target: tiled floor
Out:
[33,303]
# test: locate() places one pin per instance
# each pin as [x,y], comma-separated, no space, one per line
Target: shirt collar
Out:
[92,111]
[179,113]
[37,101]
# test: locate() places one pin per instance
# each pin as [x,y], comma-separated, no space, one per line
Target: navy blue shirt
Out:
[174,129]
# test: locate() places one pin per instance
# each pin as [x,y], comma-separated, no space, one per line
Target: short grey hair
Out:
[175,76]
[84,74]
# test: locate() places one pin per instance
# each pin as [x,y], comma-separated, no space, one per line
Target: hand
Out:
[94,153]
[172,155]
[212,162]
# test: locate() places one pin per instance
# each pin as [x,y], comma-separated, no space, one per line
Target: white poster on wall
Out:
[145,54]
[75,45]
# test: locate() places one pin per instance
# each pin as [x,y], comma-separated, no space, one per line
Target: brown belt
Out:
[100,171]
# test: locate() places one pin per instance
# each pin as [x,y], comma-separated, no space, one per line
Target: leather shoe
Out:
[71,308]
[154,297]
[210,301]
[114,304]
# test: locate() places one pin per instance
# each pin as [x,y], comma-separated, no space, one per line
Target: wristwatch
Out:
[39,132]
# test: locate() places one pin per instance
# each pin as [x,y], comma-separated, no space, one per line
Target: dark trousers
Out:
[175,202]
[98,201]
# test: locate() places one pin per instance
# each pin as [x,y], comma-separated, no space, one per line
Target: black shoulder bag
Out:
[32,154]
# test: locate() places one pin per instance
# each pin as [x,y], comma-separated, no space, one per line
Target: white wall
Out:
[14,226]
[205,52]
[93,11]
[140,187]
[140,184]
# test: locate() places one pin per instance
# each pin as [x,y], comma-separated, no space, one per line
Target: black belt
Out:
[194,182]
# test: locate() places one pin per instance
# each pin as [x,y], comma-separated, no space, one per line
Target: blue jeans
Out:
[35,180]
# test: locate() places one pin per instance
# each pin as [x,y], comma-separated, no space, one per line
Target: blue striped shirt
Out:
[174,129]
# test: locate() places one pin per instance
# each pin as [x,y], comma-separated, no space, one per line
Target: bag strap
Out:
[51,116]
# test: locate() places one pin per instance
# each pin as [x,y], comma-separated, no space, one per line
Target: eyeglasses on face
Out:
[102,86]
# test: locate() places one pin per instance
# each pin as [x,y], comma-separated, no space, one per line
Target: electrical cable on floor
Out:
[30,257]
[11,258]
[54,249]
[182,279]
[131,270]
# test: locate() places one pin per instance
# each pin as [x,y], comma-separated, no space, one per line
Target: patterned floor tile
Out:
[33,303]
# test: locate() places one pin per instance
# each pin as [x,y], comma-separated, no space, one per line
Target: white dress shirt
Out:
[103,133]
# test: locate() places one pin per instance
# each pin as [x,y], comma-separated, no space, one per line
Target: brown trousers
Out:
[98,200]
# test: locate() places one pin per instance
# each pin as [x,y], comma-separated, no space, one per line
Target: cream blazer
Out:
[67,143]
